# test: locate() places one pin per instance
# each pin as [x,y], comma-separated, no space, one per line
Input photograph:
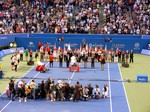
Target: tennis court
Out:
[116,102]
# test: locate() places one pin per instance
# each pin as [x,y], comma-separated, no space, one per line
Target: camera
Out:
[61,39]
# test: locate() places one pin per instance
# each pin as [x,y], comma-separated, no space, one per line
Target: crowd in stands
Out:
[74,16]
[60,91]
[118,21]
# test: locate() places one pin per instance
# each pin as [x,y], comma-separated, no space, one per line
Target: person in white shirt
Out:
[21,91]
[85,93]
[32,86]
[97,92]
[73,60]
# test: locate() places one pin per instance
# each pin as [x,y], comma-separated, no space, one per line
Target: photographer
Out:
[12,89]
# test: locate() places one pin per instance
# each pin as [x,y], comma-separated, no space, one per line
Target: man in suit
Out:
[67,60]
[60,59]
[131,56]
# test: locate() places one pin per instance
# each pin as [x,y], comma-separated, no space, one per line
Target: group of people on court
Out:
[45,53]
[85,56]
[15,59]
[59,91]
[60,55]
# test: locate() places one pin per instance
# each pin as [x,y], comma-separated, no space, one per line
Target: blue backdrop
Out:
[123,42]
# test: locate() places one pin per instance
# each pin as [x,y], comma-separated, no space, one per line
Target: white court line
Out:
[28,83]
[109,88]
[71,77]
[6,106]
[124,89]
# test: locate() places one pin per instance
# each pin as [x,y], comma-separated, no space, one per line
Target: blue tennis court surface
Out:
[116,102]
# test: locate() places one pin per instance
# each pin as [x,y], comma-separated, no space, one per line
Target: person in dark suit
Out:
[127,56]
[92,62]
[61,60]
[85,60]
[131,56]
[67,60]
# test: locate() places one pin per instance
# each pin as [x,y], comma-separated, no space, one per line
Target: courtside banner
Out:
[5,39]
[122,42]
[1,54]
[11,50]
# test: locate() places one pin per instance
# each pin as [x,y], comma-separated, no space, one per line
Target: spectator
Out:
[97,92]
[32,87]
[71,16]
[105,92]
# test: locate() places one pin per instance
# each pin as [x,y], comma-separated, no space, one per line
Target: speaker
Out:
[30,62]
[126,65]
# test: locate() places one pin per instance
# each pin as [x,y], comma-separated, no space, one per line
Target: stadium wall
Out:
[123,42]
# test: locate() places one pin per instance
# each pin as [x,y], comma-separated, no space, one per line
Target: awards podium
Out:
[75,68]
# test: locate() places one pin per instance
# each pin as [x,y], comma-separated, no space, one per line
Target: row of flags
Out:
[87,48]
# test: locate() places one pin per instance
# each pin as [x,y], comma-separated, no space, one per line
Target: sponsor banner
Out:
[142,78]
[145,52]
[123,42]
[146,37]
[11,50]
[6,39]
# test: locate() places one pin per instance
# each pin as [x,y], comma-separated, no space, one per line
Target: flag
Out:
[101,49]
[106,47]
[87,47]
[59,48]
[117,50]
[96,49]
[80,48]
[69,48]
[55,46]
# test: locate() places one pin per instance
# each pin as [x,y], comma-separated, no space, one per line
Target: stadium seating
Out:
[72,16]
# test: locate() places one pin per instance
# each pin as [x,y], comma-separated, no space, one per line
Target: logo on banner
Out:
[3,38]
[137,45]
[118,45]
[95,45]
[71,45]
[31,44]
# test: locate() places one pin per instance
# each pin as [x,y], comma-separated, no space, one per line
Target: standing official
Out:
[127,56]
[61,60]
[131,56]
[21,54]
[85,60]
[51,59]
[92,62]
[102,61]
[67,60]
